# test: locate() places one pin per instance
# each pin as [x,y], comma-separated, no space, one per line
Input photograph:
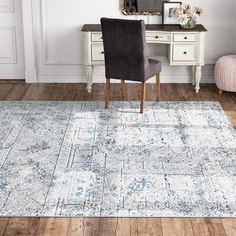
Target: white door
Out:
[11,40]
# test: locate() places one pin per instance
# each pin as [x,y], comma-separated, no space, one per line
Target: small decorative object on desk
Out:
[187,15]
[167,17]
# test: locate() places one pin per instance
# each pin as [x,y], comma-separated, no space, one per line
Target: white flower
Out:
[183,19]
[177,11]
[189,12]
[180,8]
[188,7]
[198,10]
[186,12]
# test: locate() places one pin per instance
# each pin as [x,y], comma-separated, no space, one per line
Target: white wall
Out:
[59,42]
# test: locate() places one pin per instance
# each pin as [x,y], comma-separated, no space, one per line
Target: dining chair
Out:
[125,51]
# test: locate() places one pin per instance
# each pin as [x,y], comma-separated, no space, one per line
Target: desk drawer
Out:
[97,52]
[184,52]
[157,37]
[186,37]
[97,37]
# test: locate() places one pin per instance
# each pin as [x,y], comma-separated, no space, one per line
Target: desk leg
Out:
[194,75]
[198,75]
[89,78]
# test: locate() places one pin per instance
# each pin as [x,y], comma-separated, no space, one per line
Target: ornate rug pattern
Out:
[77,159]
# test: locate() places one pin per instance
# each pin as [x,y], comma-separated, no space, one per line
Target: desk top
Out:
[150,27]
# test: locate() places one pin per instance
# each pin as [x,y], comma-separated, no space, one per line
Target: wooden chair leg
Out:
[107,93]
[158,88]
[143,95]
[220,91]
[122,88]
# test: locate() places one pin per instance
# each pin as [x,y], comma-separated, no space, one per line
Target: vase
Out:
[191,24]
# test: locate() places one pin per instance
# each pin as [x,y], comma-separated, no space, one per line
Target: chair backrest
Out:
[124,49]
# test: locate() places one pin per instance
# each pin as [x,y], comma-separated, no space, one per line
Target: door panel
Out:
[11,40]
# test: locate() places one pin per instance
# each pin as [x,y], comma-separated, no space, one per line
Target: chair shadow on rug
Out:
[126,58]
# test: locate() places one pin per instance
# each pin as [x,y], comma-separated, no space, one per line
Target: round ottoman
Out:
[225,74]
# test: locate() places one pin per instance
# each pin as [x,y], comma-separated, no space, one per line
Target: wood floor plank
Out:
[91,226]
[22,226]
[169,92]
[201,229]
[12,81]
[82,93]
[232,117]
[33,224]
[205,95]
[54,92]
[17,92]
[4,90]
[115,92]
[216,229]
[134,228]
[226,100]
[149,226]
[208,226]
[150,92]
[187,92]
[98,92]
[133,92]
[36,92]
[229,225]
[177,227]
[3,225]
[52,226]
[123,227]
[65,92]
[233,95]
[109,226]
[75,227]
[50,92]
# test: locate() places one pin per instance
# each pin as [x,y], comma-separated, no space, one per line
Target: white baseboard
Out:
[68,78]
[11,77]
[169,75]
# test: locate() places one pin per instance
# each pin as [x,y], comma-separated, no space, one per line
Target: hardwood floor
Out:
[18,91]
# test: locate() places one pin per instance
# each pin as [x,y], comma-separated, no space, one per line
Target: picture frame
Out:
[167,19]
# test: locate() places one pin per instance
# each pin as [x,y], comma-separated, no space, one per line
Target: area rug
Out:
[77,159]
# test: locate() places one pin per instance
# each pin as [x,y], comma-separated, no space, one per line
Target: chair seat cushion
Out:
[154,68]
[225,73]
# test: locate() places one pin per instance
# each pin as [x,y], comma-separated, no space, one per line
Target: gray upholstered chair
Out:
[126,58]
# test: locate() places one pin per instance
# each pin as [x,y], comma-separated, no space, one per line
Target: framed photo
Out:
[167,7]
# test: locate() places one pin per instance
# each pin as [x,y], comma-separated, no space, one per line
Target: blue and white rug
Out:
[77,159]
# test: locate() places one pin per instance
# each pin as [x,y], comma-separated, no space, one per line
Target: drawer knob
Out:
[102,52]
[157,37]
[185,52]
[185,37]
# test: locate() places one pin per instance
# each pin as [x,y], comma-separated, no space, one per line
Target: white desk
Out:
[185,47]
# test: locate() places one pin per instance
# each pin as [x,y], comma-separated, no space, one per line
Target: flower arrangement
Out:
[187,15]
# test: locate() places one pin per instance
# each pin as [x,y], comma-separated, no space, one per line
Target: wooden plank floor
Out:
[19,91]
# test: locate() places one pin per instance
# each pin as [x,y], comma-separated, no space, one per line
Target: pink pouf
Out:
[225,74]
